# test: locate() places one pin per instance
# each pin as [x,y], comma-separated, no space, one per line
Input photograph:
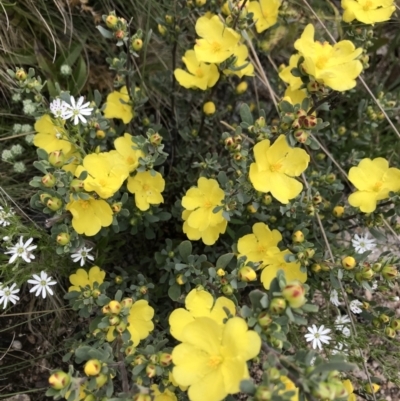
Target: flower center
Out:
[216,47]
[83,254]
[199,73]
[20,250]
[129,159]
[84,204]
[7,293]
[321,62]
[368,5]
[146,187]
[378,186]
[58,135]
[275,167]
[215,360]
[103,182]
[75,112]
[43,283]
[207,204]
[316,335]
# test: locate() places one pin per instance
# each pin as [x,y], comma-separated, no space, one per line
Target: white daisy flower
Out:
[339,348]
[7,294]
[362,244]
[318,335]
[81,255]
[4,216]
[21,250]
[42,284]
[341,323]
[77,110]
[334,297]
[355,306]
[58,107]
[374,285]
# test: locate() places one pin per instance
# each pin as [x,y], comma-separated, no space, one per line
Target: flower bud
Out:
[114,307]
[96,293]
[156,139]
[137,44]
[92,367]
[57,158]
[276,343]
[142,397]
[263,393]
[111,21]
[227,290]
[389,272]
[59,380]
[150,370]
[113,320]
[395,324]
[106,310]
[367,273]
[76,185]
[298,237]
[119,34]
[200,3]
[377,267]
[130,350]
[63,239]
[54,204]
[372,389]
[143,290]
[338,211]
[139,360]
[165,359]
[267,200]
[179,279]
[246,274]
[384,318]
[100,134]
[49,180]
[294,293]
[221,272]
[301,136]
[116,207]
[101,380]
[349,263]
[251,209]
[277,305]
[118,280]
[264,319]
[390,332]
[20,74]
[241,88]
[309,121]
[209,108]
[376,323]
[316,268]
[121,327]
[162,29]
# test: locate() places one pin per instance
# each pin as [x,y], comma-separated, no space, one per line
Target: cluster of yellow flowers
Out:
[140,313]
[334,66]
[216,44]
[212,356]
[106,171]
[262,246]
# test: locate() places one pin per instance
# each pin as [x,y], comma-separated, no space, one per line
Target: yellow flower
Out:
[200,75]
[368,11]
[106,173]
[260,245]
[290,386]
[265,13]
[50,136]
[373,180]
[117,106]
[140,323]
[349,388]
[147,188]
[200,220]
[88,216]
[212,358]
[82,278]
[277,262]
[274,167]
[218,41]
[77,160]
[166,395]
[124,146]
[286,75]
[334,66]
[199,303]
[294,96]
[242,53]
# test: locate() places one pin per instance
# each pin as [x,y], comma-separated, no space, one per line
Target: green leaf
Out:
[40,167]
[222,178]
[185,249]
[174,292]
[180,266]
[96,354]
[42,154]
[309,308]
[331,366]
[377,234]
[138,368]
[79,76]
[247,387]
[105,32]
[286,106]
[258,299]
[224,260]
[82,353]
[245,114]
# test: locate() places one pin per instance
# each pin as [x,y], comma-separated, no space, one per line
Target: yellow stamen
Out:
[216,47]
[215,360]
